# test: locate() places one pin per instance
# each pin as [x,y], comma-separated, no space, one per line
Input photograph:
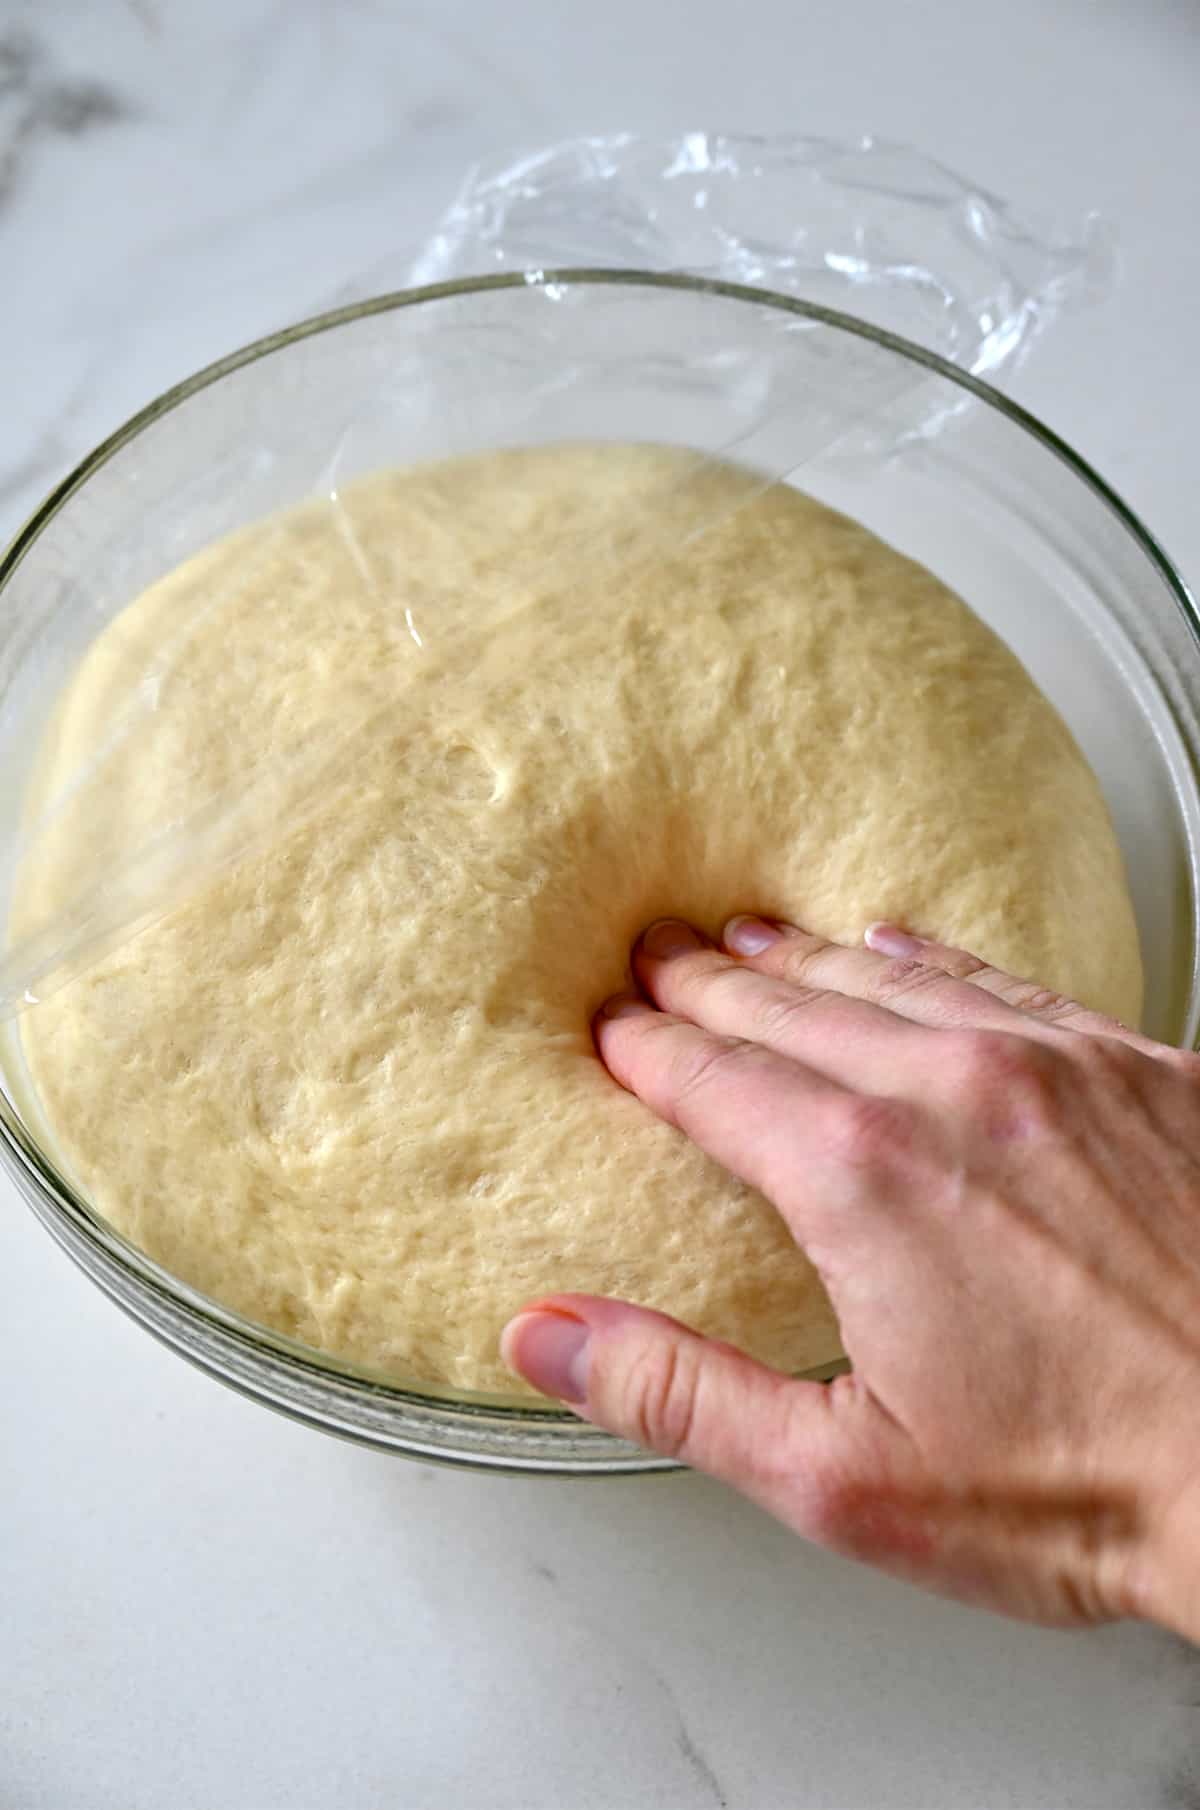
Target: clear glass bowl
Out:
[933,460]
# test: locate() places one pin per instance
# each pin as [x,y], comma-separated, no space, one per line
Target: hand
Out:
[1001,1192]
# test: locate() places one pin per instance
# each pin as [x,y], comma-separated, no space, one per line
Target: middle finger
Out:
[850,1041]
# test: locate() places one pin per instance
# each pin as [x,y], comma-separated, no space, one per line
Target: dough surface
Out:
[348,1086]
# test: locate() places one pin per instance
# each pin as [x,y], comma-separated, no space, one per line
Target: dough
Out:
[348,1085]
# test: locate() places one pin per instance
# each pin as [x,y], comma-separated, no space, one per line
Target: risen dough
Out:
[349,1086]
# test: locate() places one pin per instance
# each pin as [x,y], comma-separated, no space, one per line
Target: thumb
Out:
[647,1378]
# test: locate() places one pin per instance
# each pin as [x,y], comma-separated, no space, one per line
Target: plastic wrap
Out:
[873,229]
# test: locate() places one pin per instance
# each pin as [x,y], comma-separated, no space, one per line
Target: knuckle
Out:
[992,1056]
[992,1063]
[963,966]
[870,1131]
[958,964]
[661,1395]
[703,973]
[904,975]
[777,1017]
[696,1071]
[1186,1063]
[799,964]
[1111,1061]
[1103,1055]
[1039,1002]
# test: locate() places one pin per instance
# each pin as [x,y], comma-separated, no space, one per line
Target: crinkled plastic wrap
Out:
[876,230]
[871,227]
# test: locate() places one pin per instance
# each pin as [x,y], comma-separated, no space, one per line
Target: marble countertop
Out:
[203,1606]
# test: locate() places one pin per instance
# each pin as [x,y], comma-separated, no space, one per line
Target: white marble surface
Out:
[203,1607]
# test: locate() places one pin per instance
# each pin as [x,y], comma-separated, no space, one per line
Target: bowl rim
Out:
[21,1149]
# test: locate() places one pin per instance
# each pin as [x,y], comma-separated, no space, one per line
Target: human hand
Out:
[1001,1192]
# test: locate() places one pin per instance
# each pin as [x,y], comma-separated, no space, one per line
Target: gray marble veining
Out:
[38,102]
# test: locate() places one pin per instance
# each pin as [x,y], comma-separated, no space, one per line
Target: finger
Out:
[849,1040]
[1025,996]
[821,1153]
[648,1379]
[909,988]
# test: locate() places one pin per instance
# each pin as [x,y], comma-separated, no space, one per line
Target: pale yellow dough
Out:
[348,1087]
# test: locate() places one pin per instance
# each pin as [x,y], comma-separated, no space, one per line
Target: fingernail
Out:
[550,1350]
[623,1005]
[749,936]
[669,937]
[889,939]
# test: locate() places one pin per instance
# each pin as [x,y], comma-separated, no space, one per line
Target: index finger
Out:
[808,1144]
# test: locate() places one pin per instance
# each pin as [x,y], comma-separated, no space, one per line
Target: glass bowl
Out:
[933,460]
